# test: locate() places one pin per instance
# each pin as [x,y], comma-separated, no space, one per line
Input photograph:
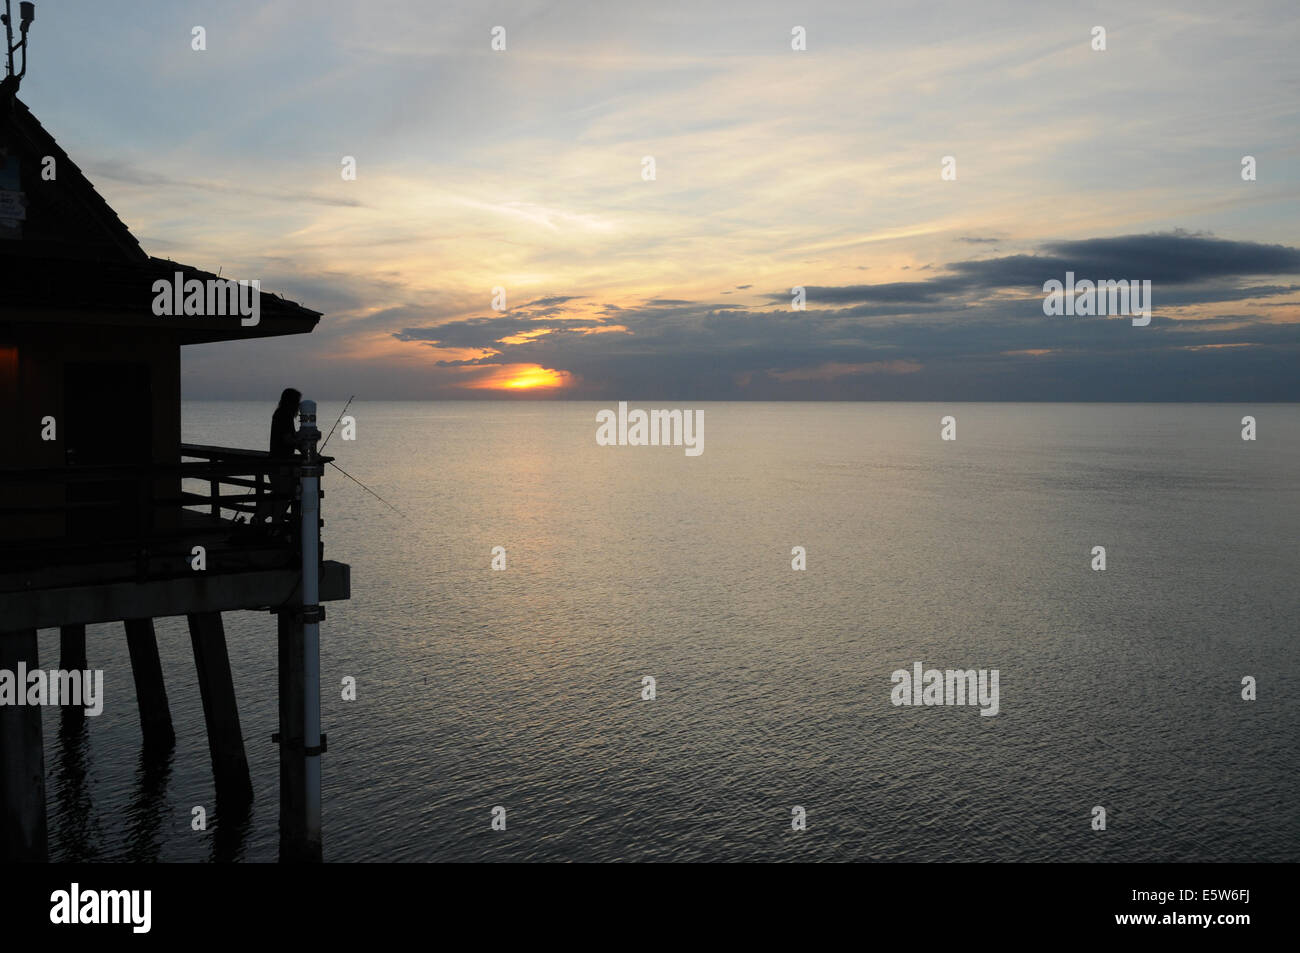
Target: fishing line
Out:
[367,489]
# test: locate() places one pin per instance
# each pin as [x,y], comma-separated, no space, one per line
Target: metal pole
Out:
[9,40]
[310,474]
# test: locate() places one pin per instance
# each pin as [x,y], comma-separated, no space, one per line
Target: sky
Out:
[525,170]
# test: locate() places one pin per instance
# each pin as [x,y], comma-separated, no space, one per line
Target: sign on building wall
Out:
[13,204]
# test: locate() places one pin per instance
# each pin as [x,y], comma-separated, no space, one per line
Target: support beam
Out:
[150,691]
[29,605]
[23,835]
[217,687]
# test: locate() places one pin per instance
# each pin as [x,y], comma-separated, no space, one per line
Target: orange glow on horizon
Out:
[523,377]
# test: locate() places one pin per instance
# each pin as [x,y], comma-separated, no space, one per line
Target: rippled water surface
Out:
[522,688]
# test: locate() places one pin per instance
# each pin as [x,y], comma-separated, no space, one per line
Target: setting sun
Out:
[523,377]
[537,377]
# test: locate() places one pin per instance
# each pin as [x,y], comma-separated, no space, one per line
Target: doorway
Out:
[108,421]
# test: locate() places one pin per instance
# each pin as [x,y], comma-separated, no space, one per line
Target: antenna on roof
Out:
[26,14]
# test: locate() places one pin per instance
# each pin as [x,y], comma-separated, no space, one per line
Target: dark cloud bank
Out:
[975,330]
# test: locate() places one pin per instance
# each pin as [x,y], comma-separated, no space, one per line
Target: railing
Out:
[252,470]
[77,524]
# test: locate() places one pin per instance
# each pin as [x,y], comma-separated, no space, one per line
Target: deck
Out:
[89,544]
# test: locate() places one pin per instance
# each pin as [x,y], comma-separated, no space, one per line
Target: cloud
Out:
[479,170]
[1164,259]
[833,369]
[552,300]
[977,332]
[118,170]
[1175,258]
[489,333]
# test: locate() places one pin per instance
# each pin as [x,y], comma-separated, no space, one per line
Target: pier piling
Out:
[301,741]
[72,658]
[217,688]
[23,834]
[309,503]
[293,778]
[72,648]
[150,690]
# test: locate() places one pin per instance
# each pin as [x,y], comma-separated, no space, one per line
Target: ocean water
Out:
[522,689]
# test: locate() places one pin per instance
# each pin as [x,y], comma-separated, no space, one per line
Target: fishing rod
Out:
[367,489]
[336,423]
[345,472]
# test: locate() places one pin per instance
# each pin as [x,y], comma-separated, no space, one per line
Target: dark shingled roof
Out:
[76,261]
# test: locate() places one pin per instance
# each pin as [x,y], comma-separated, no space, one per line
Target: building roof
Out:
[119,293]
[70,259]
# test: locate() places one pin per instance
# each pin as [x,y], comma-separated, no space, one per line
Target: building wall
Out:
[39,367]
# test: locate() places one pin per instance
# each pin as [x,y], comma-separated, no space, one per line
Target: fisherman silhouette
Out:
[284,447]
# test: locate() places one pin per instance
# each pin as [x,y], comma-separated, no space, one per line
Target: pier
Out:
[67,585]
[107,517]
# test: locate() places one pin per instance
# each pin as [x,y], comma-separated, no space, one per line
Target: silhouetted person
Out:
[284,446]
